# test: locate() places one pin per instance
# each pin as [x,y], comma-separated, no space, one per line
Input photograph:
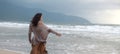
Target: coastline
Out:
[5,51]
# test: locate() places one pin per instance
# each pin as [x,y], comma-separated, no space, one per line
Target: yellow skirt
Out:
[39,48]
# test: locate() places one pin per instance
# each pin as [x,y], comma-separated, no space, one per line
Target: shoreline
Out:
[6,51]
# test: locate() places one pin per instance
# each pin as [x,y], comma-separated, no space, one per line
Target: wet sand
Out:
[7,52]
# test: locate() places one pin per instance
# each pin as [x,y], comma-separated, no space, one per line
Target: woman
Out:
[40,31]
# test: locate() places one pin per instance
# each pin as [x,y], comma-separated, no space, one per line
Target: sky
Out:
[96,11]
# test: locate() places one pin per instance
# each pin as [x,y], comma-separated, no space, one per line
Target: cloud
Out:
[97,11]
[65,6]
[106,16]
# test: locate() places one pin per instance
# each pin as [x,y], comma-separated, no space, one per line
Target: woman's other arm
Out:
[54,32]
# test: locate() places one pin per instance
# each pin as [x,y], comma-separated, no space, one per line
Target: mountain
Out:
[16,13]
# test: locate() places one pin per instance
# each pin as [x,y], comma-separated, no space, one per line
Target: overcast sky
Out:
[96,11]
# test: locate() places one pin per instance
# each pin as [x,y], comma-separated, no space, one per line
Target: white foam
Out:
[91,28]
[11,24]
[70,28]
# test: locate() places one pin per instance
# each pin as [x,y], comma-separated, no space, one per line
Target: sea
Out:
[75,39]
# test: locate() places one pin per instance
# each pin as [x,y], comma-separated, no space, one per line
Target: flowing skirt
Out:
[39,48]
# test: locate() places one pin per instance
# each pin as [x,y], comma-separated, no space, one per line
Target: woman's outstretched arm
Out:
[54,32]
[29,33]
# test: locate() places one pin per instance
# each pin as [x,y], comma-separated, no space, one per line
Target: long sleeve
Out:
[54,32]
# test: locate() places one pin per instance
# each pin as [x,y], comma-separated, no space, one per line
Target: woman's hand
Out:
[58,34]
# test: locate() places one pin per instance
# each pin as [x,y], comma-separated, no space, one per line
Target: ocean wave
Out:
[11,24]
[87,28]
[68,28]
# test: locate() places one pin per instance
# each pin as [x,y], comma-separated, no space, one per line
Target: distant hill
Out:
[14,13]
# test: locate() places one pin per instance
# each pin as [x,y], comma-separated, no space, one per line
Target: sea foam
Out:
[76,28]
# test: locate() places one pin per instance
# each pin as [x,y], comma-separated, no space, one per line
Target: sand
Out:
[7,52]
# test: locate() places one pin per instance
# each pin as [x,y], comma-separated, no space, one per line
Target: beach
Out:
[7,52]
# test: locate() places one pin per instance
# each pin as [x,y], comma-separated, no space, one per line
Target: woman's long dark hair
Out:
[36,19]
